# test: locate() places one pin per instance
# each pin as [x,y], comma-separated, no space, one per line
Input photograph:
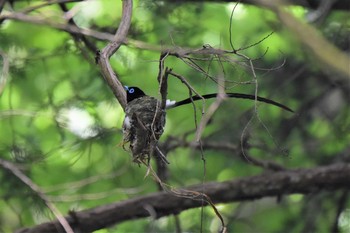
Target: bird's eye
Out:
[131,90]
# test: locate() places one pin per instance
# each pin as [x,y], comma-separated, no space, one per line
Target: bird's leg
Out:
[122,144]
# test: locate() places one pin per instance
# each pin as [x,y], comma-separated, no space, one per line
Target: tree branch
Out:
[326,53]
[330,178]
[103,58]
[60,26]
[62,222]
[5,71]
[173,143]
[312,4]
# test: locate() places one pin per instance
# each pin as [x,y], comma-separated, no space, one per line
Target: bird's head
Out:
[133,93]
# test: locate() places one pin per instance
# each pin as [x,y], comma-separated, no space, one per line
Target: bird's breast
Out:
[144,110]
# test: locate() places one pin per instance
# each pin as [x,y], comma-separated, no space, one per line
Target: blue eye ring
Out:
[131,90]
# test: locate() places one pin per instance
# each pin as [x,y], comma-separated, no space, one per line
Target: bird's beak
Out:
[126,88]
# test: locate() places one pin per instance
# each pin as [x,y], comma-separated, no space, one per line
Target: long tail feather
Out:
[230,95]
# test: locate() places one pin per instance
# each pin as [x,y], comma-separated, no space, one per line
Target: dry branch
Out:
[104,36]
[304,181]
[62,222]
[234,150]
[103,58]
[326,53]
[57,25]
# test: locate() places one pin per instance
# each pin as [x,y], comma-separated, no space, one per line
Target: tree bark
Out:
[302,181]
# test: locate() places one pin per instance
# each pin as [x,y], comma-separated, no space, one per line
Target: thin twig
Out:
[60,26]
[25,179]
[230,27]
[174,143]
[297,181]
[188,85]
[84,182]
[212,108]
[44,4]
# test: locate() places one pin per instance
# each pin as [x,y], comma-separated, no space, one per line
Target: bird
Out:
[144,119]
[143,123]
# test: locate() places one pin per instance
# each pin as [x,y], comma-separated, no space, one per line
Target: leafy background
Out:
[61,124]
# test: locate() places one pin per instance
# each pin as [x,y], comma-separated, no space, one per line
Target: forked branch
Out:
[103,57]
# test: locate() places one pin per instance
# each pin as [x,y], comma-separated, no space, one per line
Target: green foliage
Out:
[60,121]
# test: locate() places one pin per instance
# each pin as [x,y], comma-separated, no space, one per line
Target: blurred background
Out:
[61,125]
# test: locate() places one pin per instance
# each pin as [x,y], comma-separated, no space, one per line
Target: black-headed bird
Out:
[145,119]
